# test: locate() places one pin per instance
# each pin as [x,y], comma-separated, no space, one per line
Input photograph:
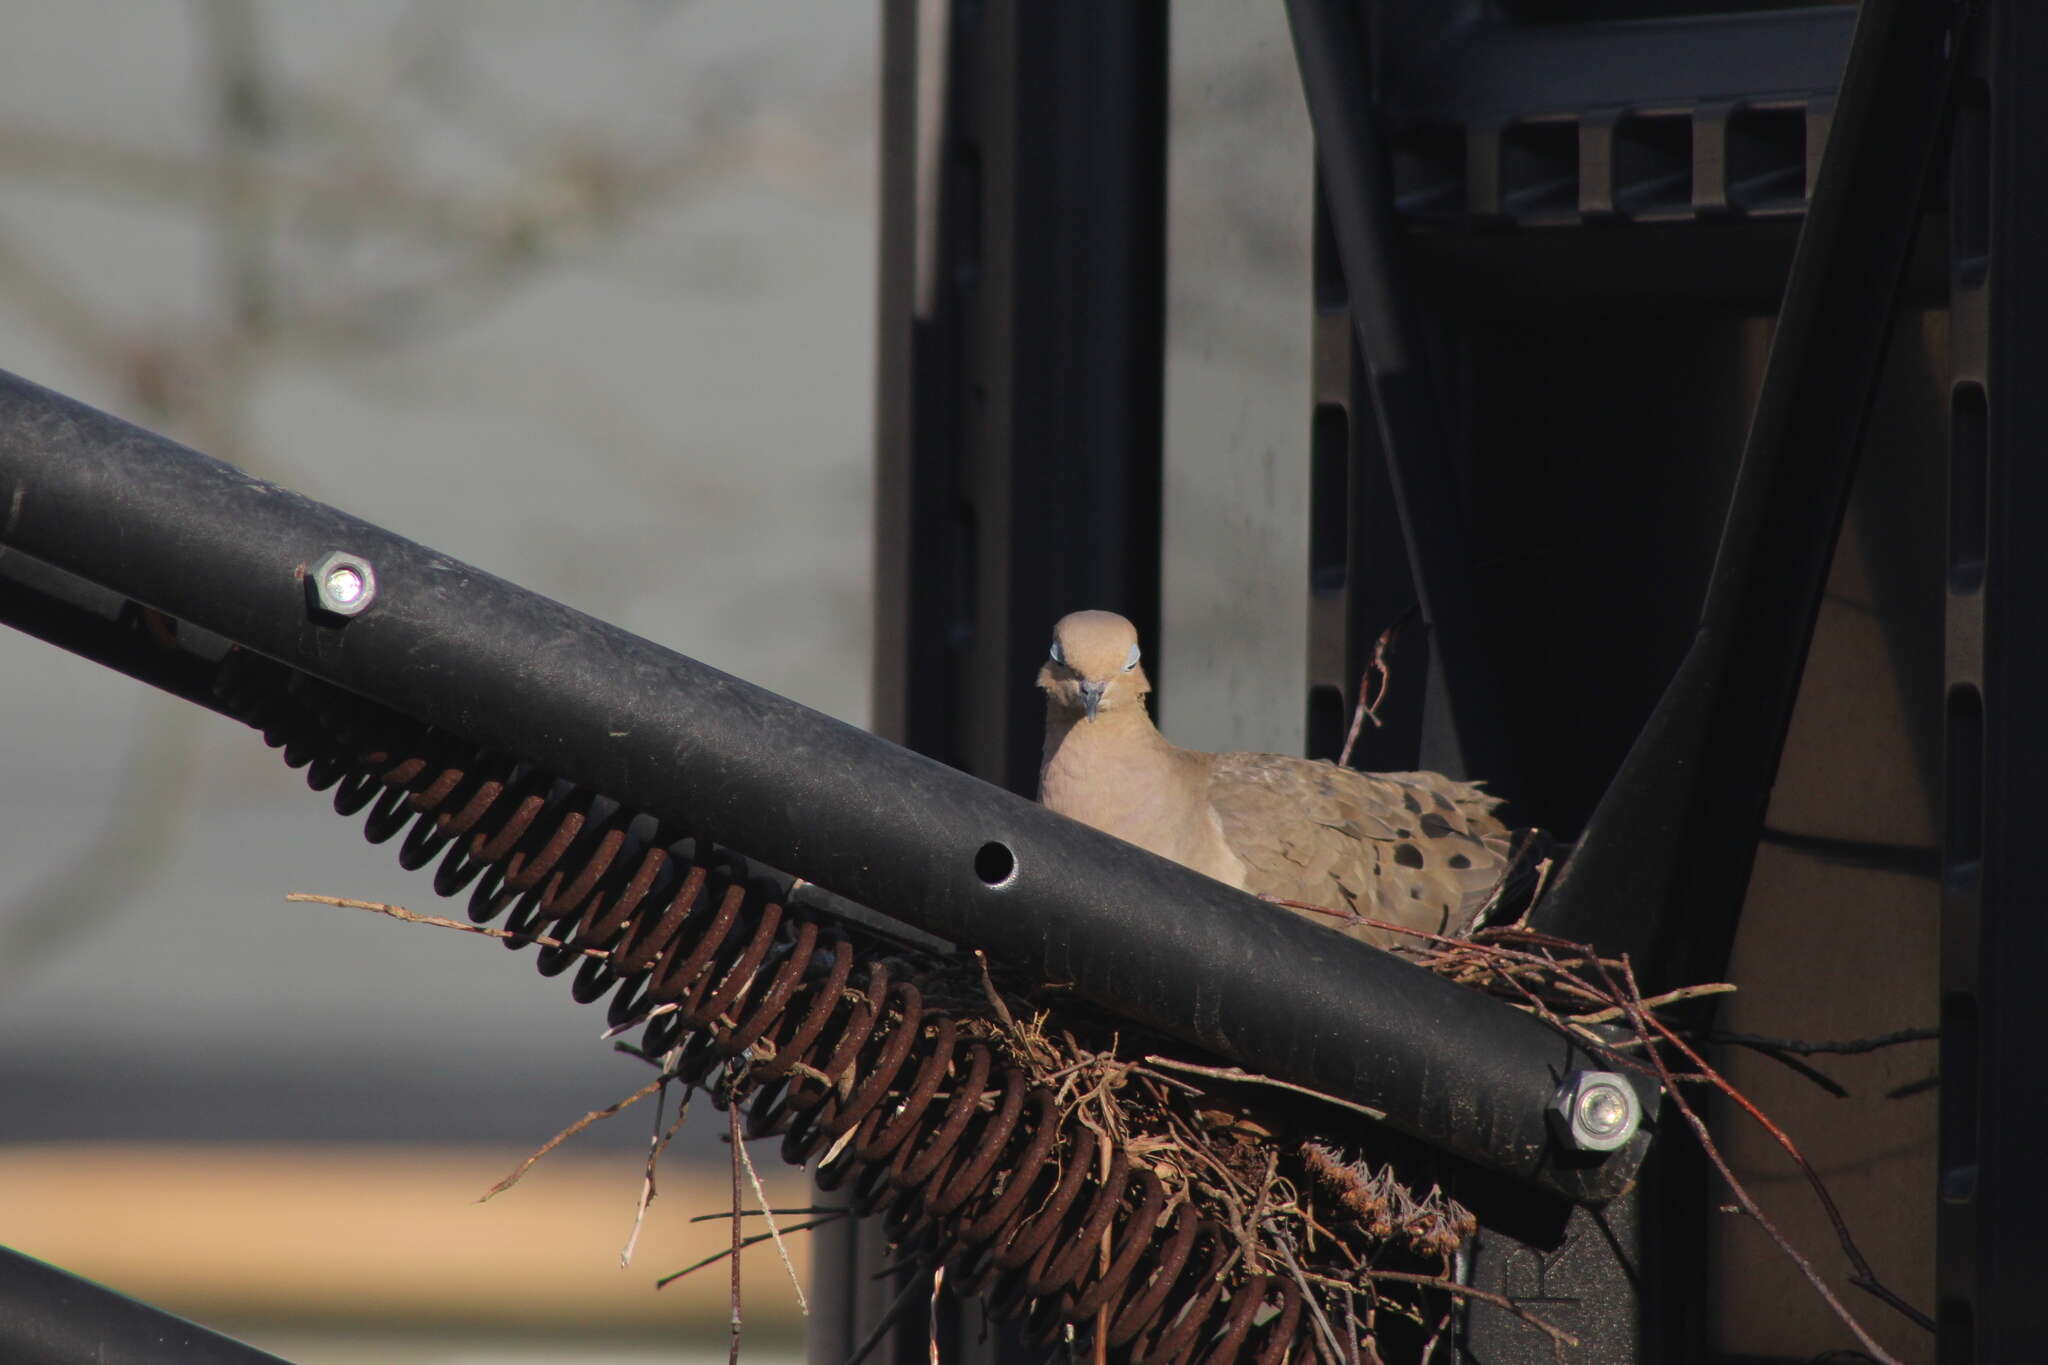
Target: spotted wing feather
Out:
[1417,849]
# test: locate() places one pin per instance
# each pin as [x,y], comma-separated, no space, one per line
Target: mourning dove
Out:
[1418,849]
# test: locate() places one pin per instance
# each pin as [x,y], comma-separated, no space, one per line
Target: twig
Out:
[1542,880]
[571,1131]
[715,1257]
[1024,1041]
[1231,1073]
[1912,1088]
[656,1144]
[399,912]
[1865,1277]
[938,1283]
[1559,1338]
[1645,1023]
[1315,1305]
[761,1197]
[889,1319]
[1848,1047]
[732,1110]
[755,1213]
[1801,1069]
[1656,1002]
[1361,712]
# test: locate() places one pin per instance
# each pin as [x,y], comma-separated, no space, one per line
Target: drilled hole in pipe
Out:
[994,863]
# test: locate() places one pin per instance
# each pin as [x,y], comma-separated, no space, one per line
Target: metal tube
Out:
[509,669]
[51,1317]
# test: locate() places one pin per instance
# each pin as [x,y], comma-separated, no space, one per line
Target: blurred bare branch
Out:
[344,213]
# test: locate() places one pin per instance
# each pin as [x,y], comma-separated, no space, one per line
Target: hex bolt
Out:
[1596,1111]
[342,584]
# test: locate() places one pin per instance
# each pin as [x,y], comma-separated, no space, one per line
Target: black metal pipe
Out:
[505,668]
[52,1317]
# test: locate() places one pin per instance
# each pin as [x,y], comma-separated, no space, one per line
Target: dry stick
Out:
[654,1145]
[715,1257]
[1865,1277]
[1559,1338]
[761,1197]
[1847,1047]
[938,1283]
[647,1196]
[1656,1002]
[571,1131]
[1256,1220]
[889,1319]
[1315,1305]
[1361,711]
[732,1110]
[1798,1068]
[1231,1073]
[1024,1041]
[1645,1023]
[399,912]
[1436,1335]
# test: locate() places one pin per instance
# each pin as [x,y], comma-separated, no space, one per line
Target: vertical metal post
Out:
[1992,1198]
[1019,428]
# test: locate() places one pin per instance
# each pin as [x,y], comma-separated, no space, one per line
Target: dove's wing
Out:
[1419,849]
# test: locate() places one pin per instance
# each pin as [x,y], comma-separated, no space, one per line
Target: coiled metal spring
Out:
[772,1006]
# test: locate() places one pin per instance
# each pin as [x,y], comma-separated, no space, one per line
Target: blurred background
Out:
[583,295]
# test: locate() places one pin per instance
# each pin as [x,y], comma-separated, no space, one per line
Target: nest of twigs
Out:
[1271,1163]
[1309,1194]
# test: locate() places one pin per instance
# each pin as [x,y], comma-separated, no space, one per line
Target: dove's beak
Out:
[1091,697]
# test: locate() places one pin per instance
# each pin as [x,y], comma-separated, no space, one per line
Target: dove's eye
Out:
[1058,657]
[1131,662]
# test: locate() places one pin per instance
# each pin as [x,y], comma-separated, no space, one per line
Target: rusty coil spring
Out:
[966,1161]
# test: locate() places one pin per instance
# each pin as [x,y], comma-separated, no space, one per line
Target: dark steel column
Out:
[1021,361]
[1993,1201]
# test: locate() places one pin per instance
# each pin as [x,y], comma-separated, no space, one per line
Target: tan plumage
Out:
[1418,849]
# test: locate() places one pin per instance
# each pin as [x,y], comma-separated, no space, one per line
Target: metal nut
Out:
[341,584]
[1596,1111]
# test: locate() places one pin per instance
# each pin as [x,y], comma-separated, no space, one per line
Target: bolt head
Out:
[1596,1111]
[341,584]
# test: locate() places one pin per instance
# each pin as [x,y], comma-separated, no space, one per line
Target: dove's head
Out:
[1093,666]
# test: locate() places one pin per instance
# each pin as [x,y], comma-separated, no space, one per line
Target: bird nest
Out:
[1348,1221]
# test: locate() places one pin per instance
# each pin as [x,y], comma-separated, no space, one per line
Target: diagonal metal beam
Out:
[1663,866]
